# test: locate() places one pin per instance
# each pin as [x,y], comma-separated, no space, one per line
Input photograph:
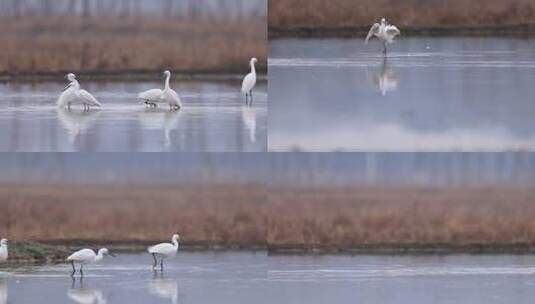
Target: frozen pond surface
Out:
[214,118]
[429,94]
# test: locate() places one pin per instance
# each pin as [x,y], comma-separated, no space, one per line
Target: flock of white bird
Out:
[87,256]
[74,95]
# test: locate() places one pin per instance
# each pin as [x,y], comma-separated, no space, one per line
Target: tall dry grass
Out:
[100,44]
[215,214]
[288,14]
[248,215]
[353,217]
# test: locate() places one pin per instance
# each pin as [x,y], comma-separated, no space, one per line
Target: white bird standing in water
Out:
[73,94]
[167,95]
[3,250]
[86,256]
[384,32]
[249,82]
[164,250]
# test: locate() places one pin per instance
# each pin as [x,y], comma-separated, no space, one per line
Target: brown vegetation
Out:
[310,14]
[345,218]
[99,44]
[247,216]
[214,214]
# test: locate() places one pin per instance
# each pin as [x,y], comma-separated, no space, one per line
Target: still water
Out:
[402,279]
[259,278]
[190,278]
[214,118]
[428,94]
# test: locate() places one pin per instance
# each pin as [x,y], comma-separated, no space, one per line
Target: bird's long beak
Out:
[111,254]
[68,86]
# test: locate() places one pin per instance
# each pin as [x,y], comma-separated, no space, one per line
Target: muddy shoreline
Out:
[56,251]
[519,30]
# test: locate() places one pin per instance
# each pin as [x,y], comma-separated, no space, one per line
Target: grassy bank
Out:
[212,216]
[99,45]
[349,18]
[402,220]
[362,220]
[33,252]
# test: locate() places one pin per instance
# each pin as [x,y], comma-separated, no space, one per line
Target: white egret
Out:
[3,250]
[249,82]
[164,250]
[86,256]
[167,95]
[72,94]
[384,32]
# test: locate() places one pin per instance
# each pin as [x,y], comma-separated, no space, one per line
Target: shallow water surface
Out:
[428,94]
[258,278]
[214,118]
[402,279]
[190,278]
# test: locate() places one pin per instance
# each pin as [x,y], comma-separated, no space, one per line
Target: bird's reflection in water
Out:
[3,290]
[385,79]
[160,119]
[85,295]
[76,122]
[163,288]
[248,115]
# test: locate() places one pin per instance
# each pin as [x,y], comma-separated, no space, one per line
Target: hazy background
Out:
[131,35]
[277,169]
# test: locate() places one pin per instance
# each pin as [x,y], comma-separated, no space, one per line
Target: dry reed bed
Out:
[57,44]
[345,218]
[248,215]
[215,214]
[291,14]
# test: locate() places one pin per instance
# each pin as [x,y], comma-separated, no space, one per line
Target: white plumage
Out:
[86,256]
[167,95]
[249,82]
[72,94]
[3,250]
[164,250]
[384,31]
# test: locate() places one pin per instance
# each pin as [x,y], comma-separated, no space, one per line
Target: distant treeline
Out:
[279,170]
[184,9]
